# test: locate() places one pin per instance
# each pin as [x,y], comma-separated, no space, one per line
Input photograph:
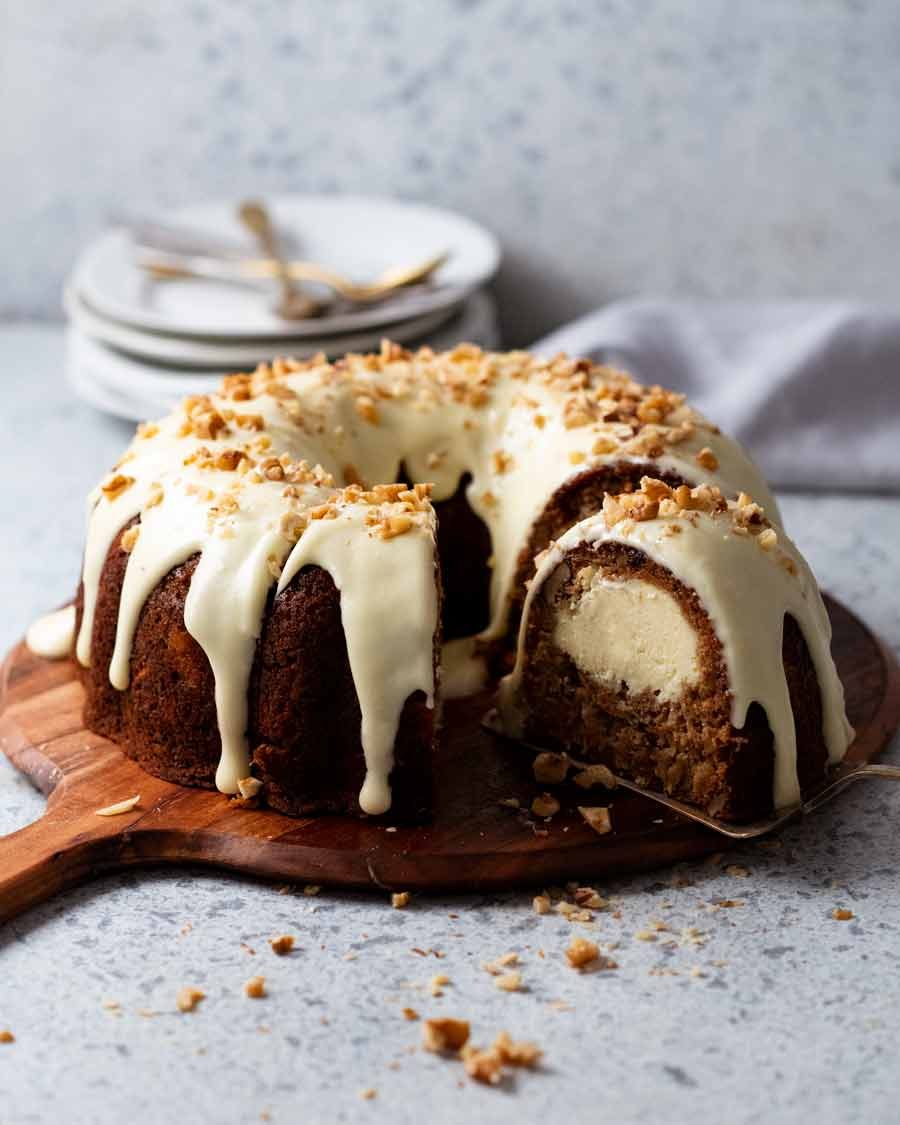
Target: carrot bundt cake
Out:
[263,605]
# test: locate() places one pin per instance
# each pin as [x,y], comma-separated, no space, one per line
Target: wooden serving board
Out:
[474,843]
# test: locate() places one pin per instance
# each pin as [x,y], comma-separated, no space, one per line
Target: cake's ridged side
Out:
[304,714]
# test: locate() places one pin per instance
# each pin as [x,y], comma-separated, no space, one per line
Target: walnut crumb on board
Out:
[597,818]
[188,998]
[282,945]
[549,768]
[581,952]
[120,807]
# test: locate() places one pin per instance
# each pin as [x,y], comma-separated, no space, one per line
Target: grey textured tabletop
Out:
[768,1010]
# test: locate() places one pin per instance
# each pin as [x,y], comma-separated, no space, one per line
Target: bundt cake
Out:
[262,606]
[680,639]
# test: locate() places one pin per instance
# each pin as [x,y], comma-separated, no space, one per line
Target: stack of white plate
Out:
[136,345]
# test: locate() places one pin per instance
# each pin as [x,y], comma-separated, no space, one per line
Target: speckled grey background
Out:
[616,146]
[794,1017]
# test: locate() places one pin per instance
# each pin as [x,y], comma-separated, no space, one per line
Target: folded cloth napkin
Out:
[811,388]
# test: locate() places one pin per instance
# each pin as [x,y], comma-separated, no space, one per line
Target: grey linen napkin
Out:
[812,388]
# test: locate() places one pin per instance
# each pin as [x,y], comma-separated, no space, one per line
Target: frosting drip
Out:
[53,635]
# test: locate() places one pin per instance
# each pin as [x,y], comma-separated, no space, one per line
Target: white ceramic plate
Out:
[358,235]
[135,390]
[191,352]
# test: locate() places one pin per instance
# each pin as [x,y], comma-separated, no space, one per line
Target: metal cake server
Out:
[839,779]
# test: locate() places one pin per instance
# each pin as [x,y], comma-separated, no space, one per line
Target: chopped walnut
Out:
[113,488]
[410,1014]
[282,945]
[255,988]
[841,914]
[249,787]
[706,459]
[524,1053]
[767,539]
[6,1036]
[483,1066]
[596,775]
[541,904]
[446,1034]
[509,982]
[501,963]
[129,538]
[368,1094]
[400,899]
[188,998]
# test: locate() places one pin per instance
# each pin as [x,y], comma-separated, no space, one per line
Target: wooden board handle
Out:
[47,856]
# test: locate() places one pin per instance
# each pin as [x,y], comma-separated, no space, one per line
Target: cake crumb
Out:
[550,768]
[400,900]
[841,914]
[545,805]
[188,998]
[540,904]
[255,988]
[282,945]
[6,1036]
[597,818]
[439,1035]
[120,807]
[509,982]
[645,935]
[581,952]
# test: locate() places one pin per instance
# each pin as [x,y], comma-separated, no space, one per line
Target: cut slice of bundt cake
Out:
[680,639]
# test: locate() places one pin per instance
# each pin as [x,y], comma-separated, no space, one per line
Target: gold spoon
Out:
[294,303]
[165,266]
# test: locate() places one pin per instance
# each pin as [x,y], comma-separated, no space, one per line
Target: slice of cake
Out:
[680,639]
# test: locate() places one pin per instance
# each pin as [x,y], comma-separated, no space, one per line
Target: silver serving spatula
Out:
[839,779]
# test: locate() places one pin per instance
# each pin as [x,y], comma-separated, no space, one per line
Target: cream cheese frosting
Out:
[631,633]
[279,470]
[748,577]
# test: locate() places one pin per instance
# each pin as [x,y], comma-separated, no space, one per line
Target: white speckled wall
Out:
[694,146]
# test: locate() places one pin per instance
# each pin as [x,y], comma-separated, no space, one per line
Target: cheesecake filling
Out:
[630,633]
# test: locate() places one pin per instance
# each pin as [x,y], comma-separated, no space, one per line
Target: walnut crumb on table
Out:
[282,945]
[509,982]
[188,998]
[6,1036]
[255,988]
[400,900]
[439,1035]
[841,914]
[549,768]
[581,952]
[368,1094]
